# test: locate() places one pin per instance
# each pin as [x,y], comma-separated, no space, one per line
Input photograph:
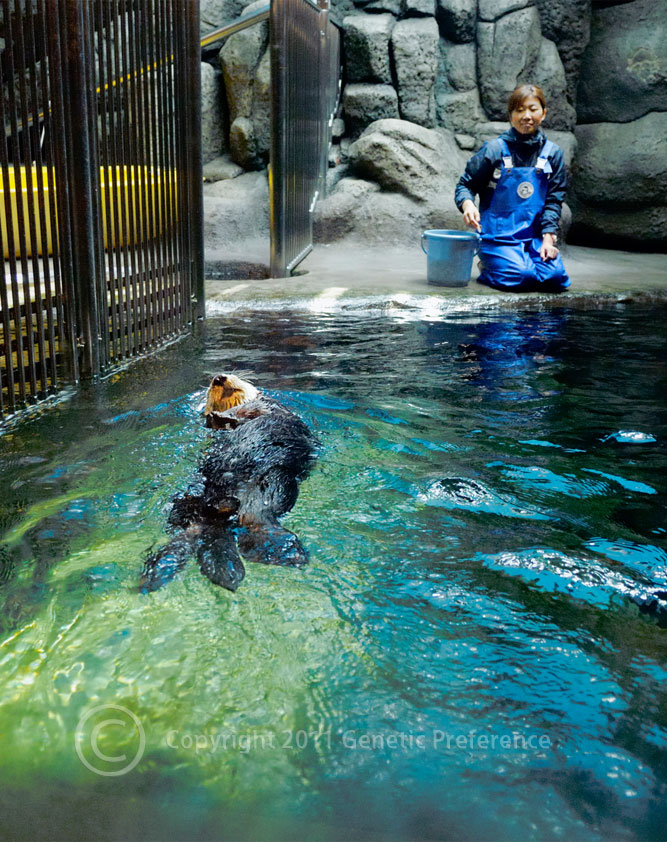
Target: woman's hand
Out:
[471,214]
[548,249]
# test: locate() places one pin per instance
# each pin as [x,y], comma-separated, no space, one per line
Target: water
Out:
[461,659]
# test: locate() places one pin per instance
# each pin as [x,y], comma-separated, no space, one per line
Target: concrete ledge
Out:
[350,275]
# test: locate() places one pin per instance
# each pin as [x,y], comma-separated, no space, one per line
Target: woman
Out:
[521,181]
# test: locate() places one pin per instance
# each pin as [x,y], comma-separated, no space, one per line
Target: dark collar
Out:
[527,142]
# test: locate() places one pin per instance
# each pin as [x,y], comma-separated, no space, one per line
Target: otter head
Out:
[227,391]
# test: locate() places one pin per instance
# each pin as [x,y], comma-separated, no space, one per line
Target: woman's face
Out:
[527,117]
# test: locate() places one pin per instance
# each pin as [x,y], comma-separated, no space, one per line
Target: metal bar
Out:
[121,158]
[193,141]
[57,34]
[35,214]
[151,174]
[95,222]
[26,385]
[180,64]
[80,179]
[47,210]
[243,22]
[107,174]
[277,175]
[156,39]
[133,288]
[173,25]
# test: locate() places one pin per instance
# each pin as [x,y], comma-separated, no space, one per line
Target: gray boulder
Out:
[261,109]
[457,19]
[242,143]
[220,169]
[417,8]
[568,24]
[644,228]
[393,6]
[623,165]
[549,74]
[491,10]
[212,114]
[507,53]
[458,111]
[620,180]
[624,69]
[567,142]
[363,104]
[239,57]
[336,216]
[358,210]
[236,210]
[367,47]
[415,44]
[490,129]
[407,158]
[458,65]
[216,13]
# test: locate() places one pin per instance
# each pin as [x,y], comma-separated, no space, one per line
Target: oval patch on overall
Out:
[525,190]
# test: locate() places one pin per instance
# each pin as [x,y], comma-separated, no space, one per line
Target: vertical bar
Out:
[57,33]
[95,222]
[53,297]
[10,310]
[151,174]
[21,308]
[277,155]
[193,142]
[107,178]
[141,186]
[30,112]
[155,58]
[173,28]
[81,190]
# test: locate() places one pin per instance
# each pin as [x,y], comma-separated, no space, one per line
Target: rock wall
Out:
[619,191]
[426,83]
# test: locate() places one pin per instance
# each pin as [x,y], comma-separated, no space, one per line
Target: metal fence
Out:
[305,80]
[100,173]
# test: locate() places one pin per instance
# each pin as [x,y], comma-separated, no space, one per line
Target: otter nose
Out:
[220,380]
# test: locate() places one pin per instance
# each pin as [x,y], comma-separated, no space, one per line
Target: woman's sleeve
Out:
[555,194]
[477,175]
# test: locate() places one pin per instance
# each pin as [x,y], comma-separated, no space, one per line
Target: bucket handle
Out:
[477,247]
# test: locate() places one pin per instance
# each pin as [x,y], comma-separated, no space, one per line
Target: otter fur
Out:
[248,478]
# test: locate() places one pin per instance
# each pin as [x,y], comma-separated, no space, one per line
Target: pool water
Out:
[463,658]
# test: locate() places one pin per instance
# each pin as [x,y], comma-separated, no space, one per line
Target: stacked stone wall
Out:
[428,80]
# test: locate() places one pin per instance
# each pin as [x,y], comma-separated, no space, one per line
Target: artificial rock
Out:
[624,69]
[364,103]
[407,158]
[415,46]
[507,52]
[367,47]
[457,19]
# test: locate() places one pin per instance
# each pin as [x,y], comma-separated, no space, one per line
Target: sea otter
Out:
[248,477]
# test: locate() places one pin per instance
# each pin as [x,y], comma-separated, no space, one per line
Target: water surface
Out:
[462,658]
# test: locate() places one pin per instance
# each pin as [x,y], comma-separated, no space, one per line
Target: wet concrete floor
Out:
[352,275]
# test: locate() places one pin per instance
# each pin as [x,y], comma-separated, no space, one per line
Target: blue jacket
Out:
[479,172]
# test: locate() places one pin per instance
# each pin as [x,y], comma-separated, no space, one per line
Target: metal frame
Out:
[101,107]
[305,48]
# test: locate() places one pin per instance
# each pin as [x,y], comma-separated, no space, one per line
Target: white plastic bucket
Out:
[449,256]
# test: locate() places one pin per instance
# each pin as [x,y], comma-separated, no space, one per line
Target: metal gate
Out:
[100,173]
[305,90]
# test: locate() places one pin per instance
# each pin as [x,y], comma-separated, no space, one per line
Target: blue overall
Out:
[511,235]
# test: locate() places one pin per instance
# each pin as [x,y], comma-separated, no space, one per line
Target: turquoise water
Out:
[462,658]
